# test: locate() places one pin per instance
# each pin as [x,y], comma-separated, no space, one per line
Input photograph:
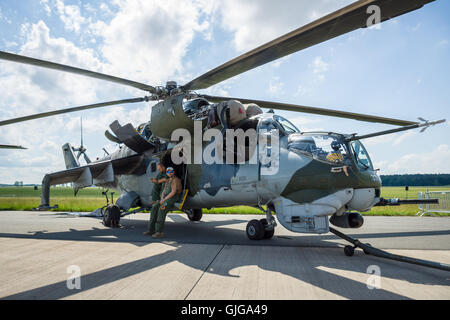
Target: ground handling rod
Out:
[386,255]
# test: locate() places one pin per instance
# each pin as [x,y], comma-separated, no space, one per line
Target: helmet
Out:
[336,146]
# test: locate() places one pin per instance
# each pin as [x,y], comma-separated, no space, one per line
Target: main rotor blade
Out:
[352,17]
[4,146]
[61,67]
[74,109]
[313,110]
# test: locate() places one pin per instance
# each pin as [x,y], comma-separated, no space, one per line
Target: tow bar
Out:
[368,249]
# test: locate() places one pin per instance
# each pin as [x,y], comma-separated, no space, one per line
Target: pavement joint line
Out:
[204,271]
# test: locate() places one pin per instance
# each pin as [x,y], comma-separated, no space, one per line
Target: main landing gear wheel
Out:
[194,214]
[111,217]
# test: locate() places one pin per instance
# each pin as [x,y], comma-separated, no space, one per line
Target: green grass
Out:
[26,198]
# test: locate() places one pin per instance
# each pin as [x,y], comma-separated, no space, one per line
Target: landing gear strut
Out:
[368,249]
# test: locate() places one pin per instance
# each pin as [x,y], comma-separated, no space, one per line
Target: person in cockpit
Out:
[335,156]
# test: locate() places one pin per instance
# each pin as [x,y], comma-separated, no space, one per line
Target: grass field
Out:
[87,200]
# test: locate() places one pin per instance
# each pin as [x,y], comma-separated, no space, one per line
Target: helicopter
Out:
[307,190]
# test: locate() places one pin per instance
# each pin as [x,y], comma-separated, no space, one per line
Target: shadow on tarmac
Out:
[214,233]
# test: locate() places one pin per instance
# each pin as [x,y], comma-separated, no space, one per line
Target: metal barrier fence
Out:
[442,207]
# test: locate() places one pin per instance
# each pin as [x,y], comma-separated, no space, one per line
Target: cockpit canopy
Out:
[323,147]
[361,155]
[331,148]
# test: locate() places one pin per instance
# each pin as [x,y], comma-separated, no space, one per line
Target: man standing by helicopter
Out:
[158,182]
[169,195]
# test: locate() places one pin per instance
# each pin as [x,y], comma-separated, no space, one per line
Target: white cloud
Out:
[70,15]
[402,137]
[378,140]
[46,6]
[148,39]
[276,86]
[320,67]
[435,162]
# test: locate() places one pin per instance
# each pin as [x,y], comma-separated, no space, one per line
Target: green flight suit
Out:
[157,187]
[158,215]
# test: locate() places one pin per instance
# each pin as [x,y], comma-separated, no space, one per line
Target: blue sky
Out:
[401,70]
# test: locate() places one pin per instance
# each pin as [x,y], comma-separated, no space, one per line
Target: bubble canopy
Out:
[331,148]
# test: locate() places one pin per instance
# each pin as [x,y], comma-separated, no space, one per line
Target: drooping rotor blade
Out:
[355,16]
[4,146]
[61,67]
[313,110]
[63,111]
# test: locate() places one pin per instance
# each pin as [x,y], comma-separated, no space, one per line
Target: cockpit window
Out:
[361,155]
[287,126]
[321,147]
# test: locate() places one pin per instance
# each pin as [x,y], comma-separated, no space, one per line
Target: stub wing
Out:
[100,174]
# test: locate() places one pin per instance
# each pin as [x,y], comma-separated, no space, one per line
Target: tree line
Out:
[416,180]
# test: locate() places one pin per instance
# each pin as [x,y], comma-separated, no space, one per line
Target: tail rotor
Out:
[82,150]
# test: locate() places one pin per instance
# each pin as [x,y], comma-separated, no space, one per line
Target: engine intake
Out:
[349,220]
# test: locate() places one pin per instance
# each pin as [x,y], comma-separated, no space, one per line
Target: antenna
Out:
[81,120]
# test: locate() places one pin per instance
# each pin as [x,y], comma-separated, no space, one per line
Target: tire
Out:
[349,251]
[255,230]
[268,234]
[111,217]
[194,215]
[107,218]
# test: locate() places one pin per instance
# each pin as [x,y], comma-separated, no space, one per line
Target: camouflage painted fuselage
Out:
[304,186]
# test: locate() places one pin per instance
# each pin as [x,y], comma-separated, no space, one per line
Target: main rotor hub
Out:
[171,85]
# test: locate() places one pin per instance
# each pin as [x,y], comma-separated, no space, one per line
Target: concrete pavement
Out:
[213,259]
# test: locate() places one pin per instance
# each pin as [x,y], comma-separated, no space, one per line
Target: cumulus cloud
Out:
[70,16]
[148,39]
[433,162]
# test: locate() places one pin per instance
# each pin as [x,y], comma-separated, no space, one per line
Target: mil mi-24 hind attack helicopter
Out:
[308,187]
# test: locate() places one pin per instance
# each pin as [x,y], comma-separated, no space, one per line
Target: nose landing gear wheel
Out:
[255,230]
[349,251]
